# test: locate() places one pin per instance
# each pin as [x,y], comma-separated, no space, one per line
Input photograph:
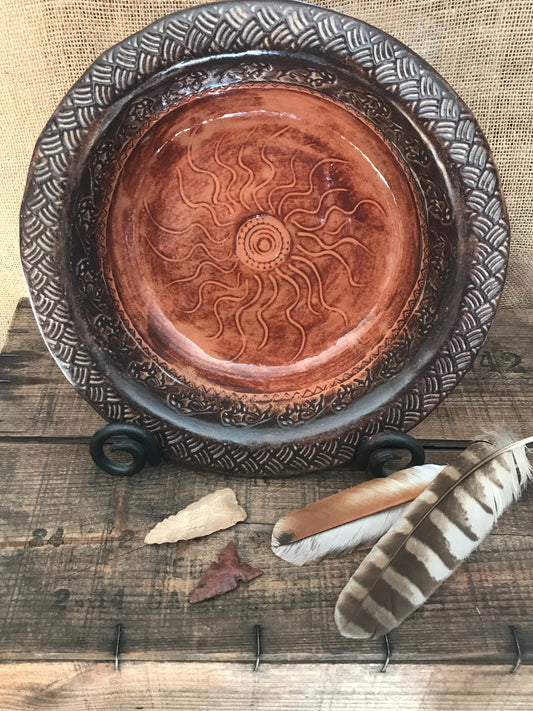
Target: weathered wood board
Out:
[73,564]
[149,686]
[39,402]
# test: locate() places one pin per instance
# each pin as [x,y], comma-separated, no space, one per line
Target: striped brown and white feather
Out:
[437,532]
[351,519]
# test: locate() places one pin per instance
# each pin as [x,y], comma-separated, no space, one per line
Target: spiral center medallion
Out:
[263,243]
[270,243]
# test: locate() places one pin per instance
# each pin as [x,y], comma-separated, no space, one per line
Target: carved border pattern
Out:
[288,27]
[110,154]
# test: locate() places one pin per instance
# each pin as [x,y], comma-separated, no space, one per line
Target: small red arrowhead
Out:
[223,575]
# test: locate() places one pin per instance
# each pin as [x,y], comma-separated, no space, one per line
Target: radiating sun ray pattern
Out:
[267,234]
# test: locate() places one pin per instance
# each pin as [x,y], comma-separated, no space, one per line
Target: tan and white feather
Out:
[351,519]
[436,533]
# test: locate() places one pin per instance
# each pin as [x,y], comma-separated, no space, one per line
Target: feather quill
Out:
[351,519]
[436,533]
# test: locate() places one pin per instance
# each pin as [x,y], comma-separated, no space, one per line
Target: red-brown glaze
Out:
[263,239]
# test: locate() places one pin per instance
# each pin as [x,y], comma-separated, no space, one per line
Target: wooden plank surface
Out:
[38,401]
[73,563]
[313,687]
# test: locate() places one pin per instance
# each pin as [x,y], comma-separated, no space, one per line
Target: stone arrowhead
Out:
[209,514]
[223,575]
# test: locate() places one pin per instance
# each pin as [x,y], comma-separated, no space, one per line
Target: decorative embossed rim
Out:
[224,405]
[256,27]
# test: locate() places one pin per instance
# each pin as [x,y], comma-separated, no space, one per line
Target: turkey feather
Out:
[436,532]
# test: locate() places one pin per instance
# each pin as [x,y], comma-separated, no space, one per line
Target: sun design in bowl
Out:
[255,236]
[272,266]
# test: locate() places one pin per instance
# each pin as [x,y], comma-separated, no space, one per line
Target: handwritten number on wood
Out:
[502,362]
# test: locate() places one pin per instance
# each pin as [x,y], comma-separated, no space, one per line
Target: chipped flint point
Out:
[211,513]
[224,575]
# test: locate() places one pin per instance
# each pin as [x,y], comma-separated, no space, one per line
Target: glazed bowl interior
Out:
[265,233]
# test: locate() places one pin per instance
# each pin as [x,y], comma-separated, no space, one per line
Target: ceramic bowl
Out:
[263,231]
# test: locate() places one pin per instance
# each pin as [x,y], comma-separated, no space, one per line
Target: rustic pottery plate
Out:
[263,231]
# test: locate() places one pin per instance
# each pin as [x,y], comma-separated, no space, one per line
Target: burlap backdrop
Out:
[484,48]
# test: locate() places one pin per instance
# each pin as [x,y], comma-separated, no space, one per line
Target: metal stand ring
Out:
[139,443]
[374,453]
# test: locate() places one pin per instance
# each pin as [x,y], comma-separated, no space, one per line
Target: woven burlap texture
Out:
[484,48]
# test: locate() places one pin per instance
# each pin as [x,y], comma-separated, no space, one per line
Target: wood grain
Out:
[73,564]
[75,686]
[39,402]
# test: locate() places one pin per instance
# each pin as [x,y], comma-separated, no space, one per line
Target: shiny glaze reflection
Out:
[263,238]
